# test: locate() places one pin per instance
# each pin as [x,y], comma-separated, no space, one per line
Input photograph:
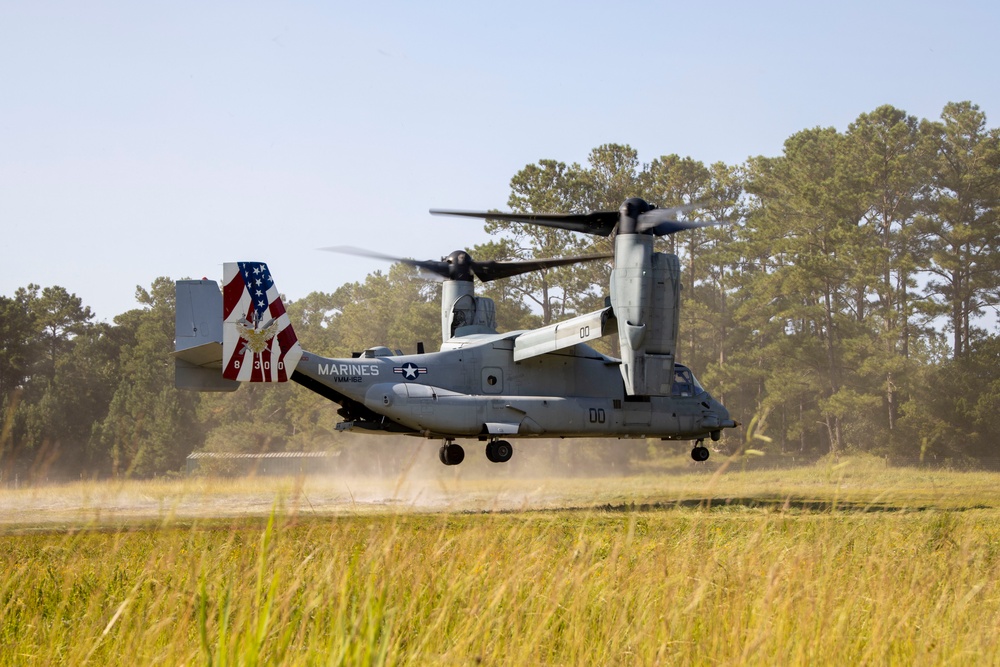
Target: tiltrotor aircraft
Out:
[482,385]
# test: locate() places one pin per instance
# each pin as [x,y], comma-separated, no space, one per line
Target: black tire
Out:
[455,454]
[502,451]
[700,454]
[490,453]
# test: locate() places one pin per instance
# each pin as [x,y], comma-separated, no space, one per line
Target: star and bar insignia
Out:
[409,370]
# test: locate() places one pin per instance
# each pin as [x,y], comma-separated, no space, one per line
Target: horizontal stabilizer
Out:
[208,355]
[201,378]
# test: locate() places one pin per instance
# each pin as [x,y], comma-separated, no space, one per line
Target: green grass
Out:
[856,564]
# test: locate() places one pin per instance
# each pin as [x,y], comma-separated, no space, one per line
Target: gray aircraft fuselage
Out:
[474,388]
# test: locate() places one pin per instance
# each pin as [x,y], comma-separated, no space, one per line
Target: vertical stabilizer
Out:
[258,343]
[198,337]
[198,313]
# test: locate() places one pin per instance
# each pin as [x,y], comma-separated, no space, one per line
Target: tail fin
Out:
[198,336]
[258,343]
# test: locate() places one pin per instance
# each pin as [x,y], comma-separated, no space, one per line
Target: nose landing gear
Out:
[700,452]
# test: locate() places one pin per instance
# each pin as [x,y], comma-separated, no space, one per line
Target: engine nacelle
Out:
[463,313]
[645,297]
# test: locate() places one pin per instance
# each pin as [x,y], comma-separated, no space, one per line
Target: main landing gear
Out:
[499,451]
[451,454]
[700,452]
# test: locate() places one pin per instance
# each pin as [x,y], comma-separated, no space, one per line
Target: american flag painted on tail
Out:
[258,343]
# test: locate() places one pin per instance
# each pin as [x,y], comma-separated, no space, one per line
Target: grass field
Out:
[840,564]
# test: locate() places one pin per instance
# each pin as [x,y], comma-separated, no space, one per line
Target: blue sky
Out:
[145,139]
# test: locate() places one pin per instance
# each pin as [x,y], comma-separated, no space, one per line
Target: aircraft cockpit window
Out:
[685,383]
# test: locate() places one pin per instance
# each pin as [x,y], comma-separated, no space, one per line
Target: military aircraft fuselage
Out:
[473,387]
[546,382]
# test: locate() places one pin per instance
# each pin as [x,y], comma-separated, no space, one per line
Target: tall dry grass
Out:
[886,579]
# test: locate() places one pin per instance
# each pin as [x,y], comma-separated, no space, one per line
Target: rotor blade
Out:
[663,221]
[362,252]
[493,270]
[673,211]
[601,223]
[438,268]
[664,227]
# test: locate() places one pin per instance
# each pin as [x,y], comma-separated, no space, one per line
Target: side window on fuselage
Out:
[683,383]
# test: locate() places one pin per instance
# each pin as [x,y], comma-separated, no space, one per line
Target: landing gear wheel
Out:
[700,453]
[451,454]
[502,451]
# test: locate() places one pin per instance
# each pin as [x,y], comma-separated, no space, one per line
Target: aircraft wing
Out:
[557,336]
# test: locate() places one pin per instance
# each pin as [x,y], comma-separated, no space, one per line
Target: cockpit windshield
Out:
[685,384]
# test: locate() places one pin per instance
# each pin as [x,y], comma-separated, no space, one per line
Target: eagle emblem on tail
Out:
[256,339]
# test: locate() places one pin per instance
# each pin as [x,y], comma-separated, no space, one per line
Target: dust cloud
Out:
[393,476]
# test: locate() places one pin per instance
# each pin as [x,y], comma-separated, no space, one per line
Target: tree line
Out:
[848,302]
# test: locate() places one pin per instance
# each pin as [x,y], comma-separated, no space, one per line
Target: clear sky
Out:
[145,139]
